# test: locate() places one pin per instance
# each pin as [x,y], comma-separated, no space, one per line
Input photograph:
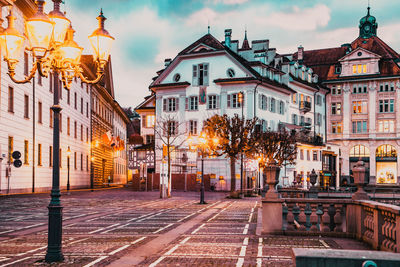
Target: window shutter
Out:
[144,121]
[205,74]
[259,101]
[229,101]
[186,103]
[164,104]
[217,100]
[177,104]
[195,79]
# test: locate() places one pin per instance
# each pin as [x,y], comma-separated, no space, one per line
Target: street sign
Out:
[16,155]
[17,163]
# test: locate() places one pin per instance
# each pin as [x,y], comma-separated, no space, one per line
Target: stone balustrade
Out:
[315,215]
[375,223]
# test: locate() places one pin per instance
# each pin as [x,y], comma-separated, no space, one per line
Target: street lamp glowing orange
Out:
[39,29]
[70,50]
[12,40]
[101,41]
[60,22]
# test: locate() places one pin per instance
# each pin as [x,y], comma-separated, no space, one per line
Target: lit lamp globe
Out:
[12,40]
[101,41]
[60,22]
[39,29]
[70,50]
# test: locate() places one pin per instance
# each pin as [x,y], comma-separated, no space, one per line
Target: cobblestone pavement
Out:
[112,227]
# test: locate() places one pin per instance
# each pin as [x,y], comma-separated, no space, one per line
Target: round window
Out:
[230,73]
[177,77]
[359,54]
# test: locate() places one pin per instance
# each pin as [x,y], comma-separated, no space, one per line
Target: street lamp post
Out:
[68,159]
[201,145]
[241,96]
[55,53]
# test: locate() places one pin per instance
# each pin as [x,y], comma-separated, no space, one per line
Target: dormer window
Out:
[338,69]
[359,68]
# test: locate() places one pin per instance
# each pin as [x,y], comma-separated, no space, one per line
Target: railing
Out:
[380,225]
[314,215]
[375,223]
[305,106]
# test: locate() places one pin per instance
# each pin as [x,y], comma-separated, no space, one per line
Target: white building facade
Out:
[206,78]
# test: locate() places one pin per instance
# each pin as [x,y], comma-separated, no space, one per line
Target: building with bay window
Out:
[363,104]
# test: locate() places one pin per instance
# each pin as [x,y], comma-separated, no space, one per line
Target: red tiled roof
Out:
[323,61]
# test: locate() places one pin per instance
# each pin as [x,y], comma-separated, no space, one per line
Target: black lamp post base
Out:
[54,253]
[202,202]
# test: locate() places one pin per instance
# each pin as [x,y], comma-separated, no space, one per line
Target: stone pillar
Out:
[372,109]
[272,216]
[346,110]
[372,165]
[359,181]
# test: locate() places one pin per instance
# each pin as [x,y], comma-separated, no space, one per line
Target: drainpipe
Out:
[315,93]
[33,133]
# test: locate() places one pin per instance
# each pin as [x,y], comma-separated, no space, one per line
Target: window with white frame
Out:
[281,107]
[360,89]
[386,126]
[294,119]
[170,104]
[193,127]
[200,74]
[360,107]
[233,100]
[359,126]
[171,128]
[318,100]
[336,127]
[386,106]
[336,108]
[193,103]
[336,90]
[294,98]
[386,87]
[359,68]
[213,102]
[272,105]
[263,100]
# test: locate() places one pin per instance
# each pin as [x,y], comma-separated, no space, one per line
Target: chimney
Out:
[300,52]
[228,33]
[167,61]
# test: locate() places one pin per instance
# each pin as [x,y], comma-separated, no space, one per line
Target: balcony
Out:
[309,138]
[305,106]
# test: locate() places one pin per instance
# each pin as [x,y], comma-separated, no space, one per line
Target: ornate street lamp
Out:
[55,53]
[202,144]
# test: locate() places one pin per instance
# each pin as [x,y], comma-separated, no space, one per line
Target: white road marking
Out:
[7,231]
[165,227]
[260,241]
[324,243]
[95,261]
[15,261]
[198,228]
[240,262]
[118,249]
[156,262]
[103,228]
[246,229]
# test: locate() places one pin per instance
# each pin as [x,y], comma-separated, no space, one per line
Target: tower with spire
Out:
[368,25]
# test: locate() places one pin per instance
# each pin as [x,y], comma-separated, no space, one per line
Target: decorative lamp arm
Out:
[11,71]
[98,78]
[99,74]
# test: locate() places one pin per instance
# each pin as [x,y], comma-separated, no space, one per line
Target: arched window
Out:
[386,151]
[359,151]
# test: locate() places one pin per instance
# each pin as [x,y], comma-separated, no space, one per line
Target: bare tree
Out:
[171,134]
[234,135]
[277,147]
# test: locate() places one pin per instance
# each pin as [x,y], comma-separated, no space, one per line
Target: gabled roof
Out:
[207,40]
[359,49]
[148,103]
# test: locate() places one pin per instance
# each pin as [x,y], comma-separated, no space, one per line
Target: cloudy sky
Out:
[148,31]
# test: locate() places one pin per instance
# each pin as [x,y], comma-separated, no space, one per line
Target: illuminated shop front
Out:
[386,165]
[359,152]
